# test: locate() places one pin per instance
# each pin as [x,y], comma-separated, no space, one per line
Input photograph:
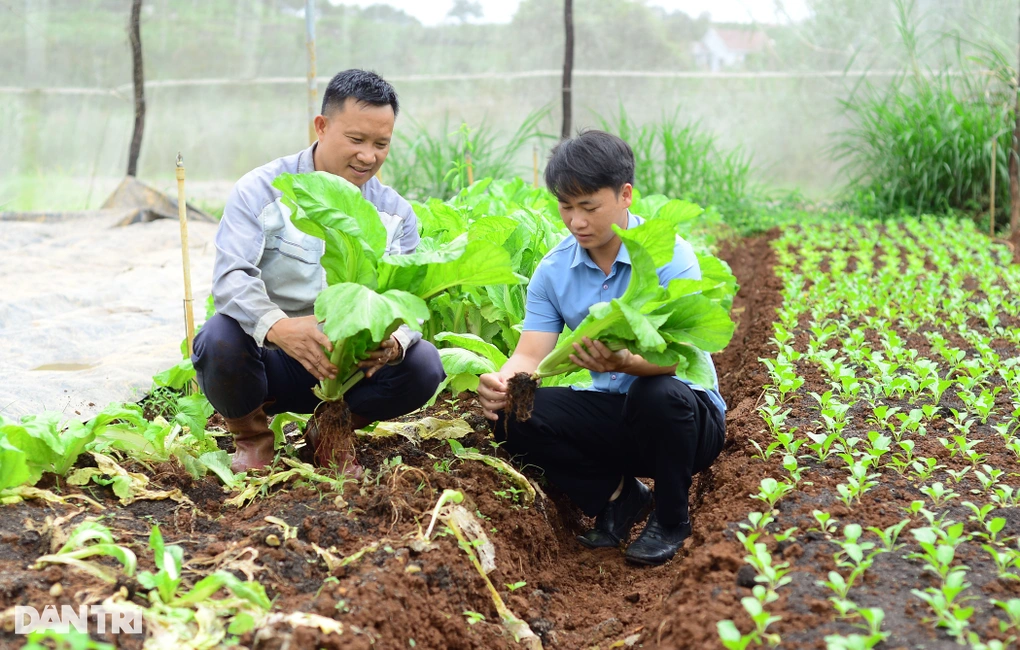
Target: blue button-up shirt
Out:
[568,282]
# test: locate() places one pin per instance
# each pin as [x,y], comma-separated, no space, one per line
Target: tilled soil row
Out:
[700,596]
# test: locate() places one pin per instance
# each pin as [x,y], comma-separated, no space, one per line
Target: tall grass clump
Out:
[425,165]
[924,143]
[685,160]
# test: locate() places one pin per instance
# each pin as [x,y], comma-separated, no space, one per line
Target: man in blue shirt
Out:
[262,353]
[638,420]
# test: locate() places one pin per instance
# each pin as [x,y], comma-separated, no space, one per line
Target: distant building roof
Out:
[744,41]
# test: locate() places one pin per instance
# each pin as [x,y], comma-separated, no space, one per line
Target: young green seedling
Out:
[948,613]
[890,535]
[731,637]
[938,493]
[825,520]
[771,491]
[771,575]
[1004,559]
[170,561]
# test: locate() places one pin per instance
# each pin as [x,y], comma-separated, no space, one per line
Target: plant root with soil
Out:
[335,444]
[521,396]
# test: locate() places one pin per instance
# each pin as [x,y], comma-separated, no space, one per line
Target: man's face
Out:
[590,217]
[354,141]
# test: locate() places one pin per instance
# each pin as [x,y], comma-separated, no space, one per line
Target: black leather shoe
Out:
[657,544]
[613,524]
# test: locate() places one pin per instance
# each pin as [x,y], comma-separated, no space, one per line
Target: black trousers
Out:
[238,376]
[585,440]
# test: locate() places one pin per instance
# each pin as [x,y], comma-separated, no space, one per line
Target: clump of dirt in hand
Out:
[520,396]
[334,444]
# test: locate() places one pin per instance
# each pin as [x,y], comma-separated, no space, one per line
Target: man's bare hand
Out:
[301,339]
[492,393]
[389,351]
[595,356]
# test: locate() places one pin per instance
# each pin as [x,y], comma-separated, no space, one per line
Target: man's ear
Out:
[320,125]
[627,194]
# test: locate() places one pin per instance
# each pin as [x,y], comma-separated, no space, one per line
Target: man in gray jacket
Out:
[262,353]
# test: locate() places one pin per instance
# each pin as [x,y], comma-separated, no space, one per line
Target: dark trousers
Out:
[585,441]
[238,376]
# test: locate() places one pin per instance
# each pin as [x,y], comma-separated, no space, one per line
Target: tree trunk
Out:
[134,32]
[1014,162]
[568,65]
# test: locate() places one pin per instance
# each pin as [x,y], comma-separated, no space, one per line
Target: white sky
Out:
[431,12]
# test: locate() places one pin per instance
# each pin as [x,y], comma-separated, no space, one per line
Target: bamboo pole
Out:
[182,213]
[312,88]
[470,169]
[991,211]
[534,162]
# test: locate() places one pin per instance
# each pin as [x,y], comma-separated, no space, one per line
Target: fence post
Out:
[312,89]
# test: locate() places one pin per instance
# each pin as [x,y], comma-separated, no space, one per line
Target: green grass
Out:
[924,144]
[685,160]
[434,165]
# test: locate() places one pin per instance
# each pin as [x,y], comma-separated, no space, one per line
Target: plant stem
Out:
[329,389]
[349,383]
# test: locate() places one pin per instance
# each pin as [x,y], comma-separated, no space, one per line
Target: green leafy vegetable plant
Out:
[370,293]
[674,326]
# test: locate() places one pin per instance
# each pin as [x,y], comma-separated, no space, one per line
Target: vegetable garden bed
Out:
[345,564]
[893,370]
[396,594]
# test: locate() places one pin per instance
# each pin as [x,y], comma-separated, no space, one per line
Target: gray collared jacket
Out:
[266,269]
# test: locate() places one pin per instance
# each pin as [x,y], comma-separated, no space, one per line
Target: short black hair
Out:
[588,163]
[363,86]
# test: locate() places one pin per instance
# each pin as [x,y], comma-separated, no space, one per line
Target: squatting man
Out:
[263,351]
[638,419]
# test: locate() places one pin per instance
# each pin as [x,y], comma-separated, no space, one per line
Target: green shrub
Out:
[424,165]
[924,143]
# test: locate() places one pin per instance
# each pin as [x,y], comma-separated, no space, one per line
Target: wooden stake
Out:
[568,67]
[138,78]
[470,169]
[995,169]
[312,89]
[534,162]
[182,212]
